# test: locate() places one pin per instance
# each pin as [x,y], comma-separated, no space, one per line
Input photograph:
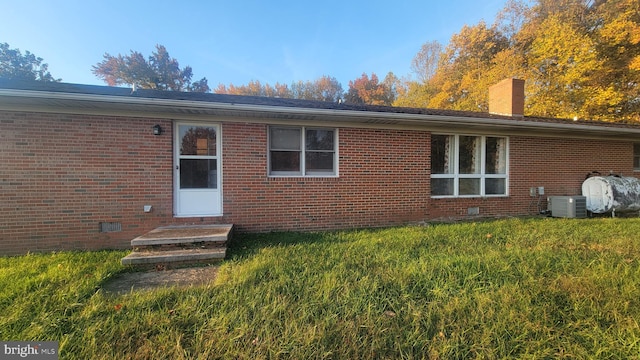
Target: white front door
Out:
[197,170]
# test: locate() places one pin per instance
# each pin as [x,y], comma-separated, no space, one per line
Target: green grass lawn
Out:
[516,288]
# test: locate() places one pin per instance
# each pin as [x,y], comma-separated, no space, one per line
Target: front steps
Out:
[171,246]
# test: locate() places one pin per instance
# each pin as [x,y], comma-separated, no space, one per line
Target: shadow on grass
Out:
[247,244]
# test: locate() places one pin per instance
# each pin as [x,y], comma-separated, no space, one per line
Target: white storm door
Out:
[197,170]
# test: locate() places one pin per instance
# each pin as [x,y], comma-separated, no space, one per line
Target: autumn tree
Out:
[580,54]
[456,77]
[15,65]
[510,20]
[325,88]
[578,58]
[255,88]
[415,94]
[368,90]
[159,72]
[425,63]
[617,41]
[462,75]
[562,63]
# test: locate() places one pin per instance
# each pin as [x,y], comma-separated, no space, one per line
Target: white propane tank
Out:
[612,194]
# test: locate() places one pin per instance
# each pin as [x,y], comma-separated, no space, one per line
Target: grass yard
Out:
[515,288]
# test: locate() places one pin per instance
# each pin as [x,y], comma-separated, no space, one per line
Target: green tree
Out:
[415,94]
[393,86]
[159,72]
[15,65]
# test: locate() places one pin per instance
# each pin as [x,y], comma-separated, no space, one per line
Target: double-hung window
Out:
[636,156]
[468,165]
[302,151]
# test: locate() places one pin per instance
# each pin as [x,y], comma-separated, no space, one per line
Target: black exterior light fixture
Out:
[157,129]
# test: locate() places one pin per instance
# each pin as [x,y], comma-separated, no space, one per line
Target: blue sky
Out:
[238,41]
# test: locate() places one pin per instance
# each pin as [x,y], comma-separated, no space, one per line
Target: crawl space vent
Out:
[110,226]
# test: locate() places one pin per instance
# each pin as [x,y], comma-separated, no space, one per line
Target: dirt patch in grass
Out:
[147,280]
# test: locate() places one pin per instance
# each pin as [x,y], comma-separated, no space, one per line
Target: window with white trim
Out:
[636,156]
[468,166]
[302,151]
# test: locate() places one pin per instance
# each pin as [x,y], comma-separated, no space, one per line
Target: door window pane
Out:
[198,174]
[197,140]
[470,147]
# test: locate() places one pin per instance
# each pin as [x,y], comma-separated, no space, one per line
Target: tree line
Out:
[579,58]
[160,71]
[363,90]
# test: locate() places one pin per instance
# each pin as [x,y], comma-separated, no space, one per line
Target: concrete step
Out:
[176,235]
[170,246]
[138,258]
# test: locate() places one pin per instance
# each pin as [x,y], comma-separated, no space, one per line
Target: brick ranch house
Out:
[89,167]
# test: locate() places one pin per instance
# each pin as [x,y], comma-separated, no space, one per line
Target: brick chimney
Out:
[507,98]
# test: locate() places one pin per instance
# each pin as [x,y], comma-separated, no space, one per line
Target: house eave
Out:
[49,101]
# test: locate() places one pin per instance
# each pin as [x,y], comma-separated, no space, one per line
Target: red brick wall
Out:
[61,175]
[559,165]
[383,180]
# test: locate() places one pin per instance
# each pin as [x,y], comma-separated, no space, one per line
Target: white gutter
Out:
[413,118]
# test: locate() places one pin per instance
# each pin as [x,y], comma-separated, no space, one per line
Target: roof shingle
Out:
[70,88]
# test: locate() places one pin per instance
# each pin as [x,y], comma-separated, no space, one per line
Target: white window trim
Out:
[456,176]
[301,173]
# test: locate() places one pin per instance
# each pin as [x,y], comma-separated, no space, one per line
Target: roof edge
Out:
[404,118]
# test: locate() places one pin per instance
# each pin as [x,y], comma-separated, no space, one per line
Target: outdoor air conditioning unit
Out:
[567,206]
